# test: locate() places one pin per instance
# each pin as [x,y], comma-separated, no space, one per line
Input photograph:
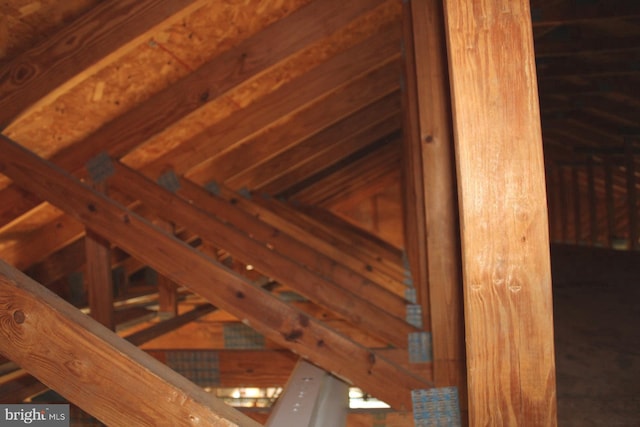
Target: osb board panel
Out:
[24,23]
[152,66]
[253,89]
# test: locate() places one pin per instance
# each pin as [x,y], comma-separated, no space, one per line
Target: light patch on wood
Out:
[30,8]
[265,83]
[98,91]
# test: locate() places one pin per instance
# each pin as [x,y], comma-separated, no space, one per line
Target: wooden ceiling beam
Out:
[568,12]
[273,318]
[246,60]
[337,232]
[297,250]
[28,247]
[503,214]
[34,318]
[371,63]
[354,141]
[294,128]
[360,172]
[352,303]
[103,34]
[345,257]
[330,138]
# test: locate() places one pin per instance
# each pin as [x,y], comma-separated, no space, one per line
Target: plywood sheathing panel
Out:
[150,67]
[263,84]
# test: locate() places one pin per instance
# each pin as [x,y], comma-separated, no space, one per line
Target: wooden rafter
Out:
[267,314]
[344,298]
[89,365]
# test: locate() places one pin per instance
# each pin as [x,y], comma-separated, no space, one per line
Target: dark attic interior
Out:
[365,212]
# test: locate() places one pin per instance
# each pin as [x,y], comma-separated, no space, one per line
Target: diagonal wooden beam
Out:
[338,255]
[355,301]
[246,60]
[299,251]
[338,100]
[340,134]
[368,70]
[89,365]
[105,32]
[270,316]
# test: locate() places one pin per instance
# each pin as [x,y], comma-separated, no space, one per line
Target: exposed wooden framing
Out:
[564,208]
[593,202]
[632,197]
[147,334]
[246,368]
[348,144]
[344,101]
[18,386]
[369,75]
[37,244]
[333,138]
[167,289]
[34,318]
[293,248]
[99,281]
[415,221]
[345,257]
[577,205]
[359,303]
[339,233]
[609,200]
[435,145]
[566,12]
[102,34]
[270,316]
[504,228]
[354,172]
[246,60]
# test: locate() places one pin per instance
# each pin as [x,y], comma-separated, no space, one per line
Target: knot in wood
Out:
[19,316]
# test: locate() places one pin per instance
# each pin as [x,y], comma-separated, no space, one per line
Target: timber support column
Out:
[429,138]
[503,214]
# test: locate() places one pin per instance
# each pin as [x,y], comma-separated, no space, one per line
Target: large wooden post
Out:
[504,227]
[431,137]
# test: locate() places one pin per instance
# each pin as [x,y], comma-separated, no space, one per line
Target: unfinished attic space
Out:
[321,212]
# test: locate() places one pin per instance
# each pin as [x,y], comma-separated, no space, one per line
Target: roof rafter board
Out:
[332,137]
[359,173]
[298,250]
[332,151]
[342,100]
[351,198]
[346,302]
[29,247]
[103,34]
[567,12]
[34,318]
[264,312]
[239,64]
[340,234]
[353,64]
[348,258]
